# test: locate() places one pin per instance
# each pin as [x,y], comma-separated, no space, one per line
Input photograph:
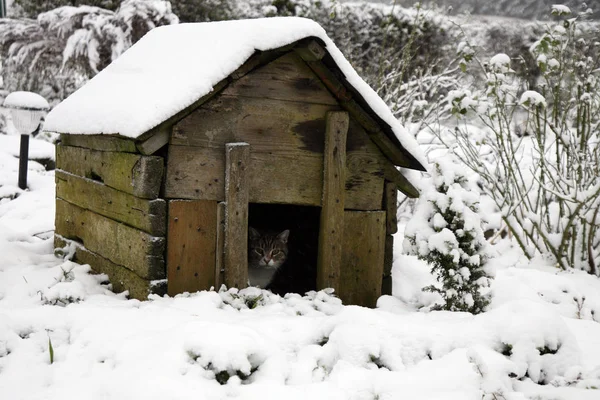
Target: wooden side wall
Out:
[362,257]
[107,206]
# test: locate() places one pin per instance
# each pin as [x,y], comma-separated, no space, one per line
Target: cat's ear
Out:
[283,236]
[253,233]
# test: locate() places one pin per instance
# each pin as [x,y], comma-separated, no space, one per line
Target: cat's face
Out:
[266,250]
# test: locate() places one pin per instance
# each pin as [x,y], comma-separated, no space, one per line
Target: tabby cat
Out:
[266,253]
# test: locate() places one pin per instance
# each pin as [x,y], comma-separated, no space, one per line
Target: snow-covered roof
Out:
[173,66]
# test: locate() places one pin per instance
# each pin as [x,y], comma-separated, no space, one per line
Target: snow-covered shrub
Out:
[540,162]
[446,232]
[225,351]
[32,8]
[56,53]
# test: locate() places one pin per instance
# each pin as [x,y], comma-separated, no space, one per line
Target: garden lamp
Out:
[26,110]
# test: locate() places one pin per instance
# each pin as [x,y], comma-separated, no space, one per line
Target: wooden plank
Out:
[287,78]
[146,215]
[266,123]
[131,173]
[294,177]
[192,242]
[362,257]
[119,243]
[390,202]
[159,138]
[310,50]
[332,213]
[235,258]
[392,174]
[120,278]
[198,173]
[169,122]
[219,267]
[280,133]
[388,261]
[335,83]
[100,142]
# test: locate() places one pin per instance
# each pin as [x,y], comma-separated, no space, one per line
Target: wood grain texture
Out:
[138,175]
[100,142]
[287,154]
[389,255]
[120,278]
[235,258]
[395,153]
[392,174]
[388,261]
[191,245]
[287,78]
[390,203]
[362,257]
[167,124]
[219,266]
[310,50]
[332,212]
[159,138]
[146,215]
[199,173]
[269,124]
[119,243]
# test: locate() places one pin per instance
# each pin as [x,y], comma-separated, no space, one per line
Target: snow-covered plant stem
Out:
[541,163]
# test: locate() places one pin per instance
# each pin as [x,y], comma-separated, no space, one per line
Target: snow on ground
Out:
[64,335]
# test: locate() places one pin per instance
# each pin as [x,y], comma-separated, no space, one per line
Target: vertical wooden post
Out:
[219,267]
[390,204]
[332,212]
[235,257]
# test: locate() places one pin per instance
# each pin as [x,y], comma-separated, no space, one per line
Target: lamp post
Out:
[26,110]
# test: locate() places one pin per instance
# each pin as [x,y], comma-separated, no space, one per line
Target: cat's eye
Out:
[260,252]
[276,252]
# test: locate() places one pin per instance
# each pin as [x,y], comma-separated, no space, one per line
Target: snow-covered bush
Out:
[446,232]
[32,8]
[56,53]
[540,162]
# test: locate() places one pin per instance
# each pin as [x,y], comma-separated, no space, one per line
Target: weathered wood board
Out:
[199,173]
[160,137]
[191,245]
[388,261]
[390,203]
[138,175]
[146,215]
[100,142]
[287,141]
[235,254]
[362,257]
[287,78]
[219,263]
[120,277]
[332,212]
[121,244]
[270,125]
